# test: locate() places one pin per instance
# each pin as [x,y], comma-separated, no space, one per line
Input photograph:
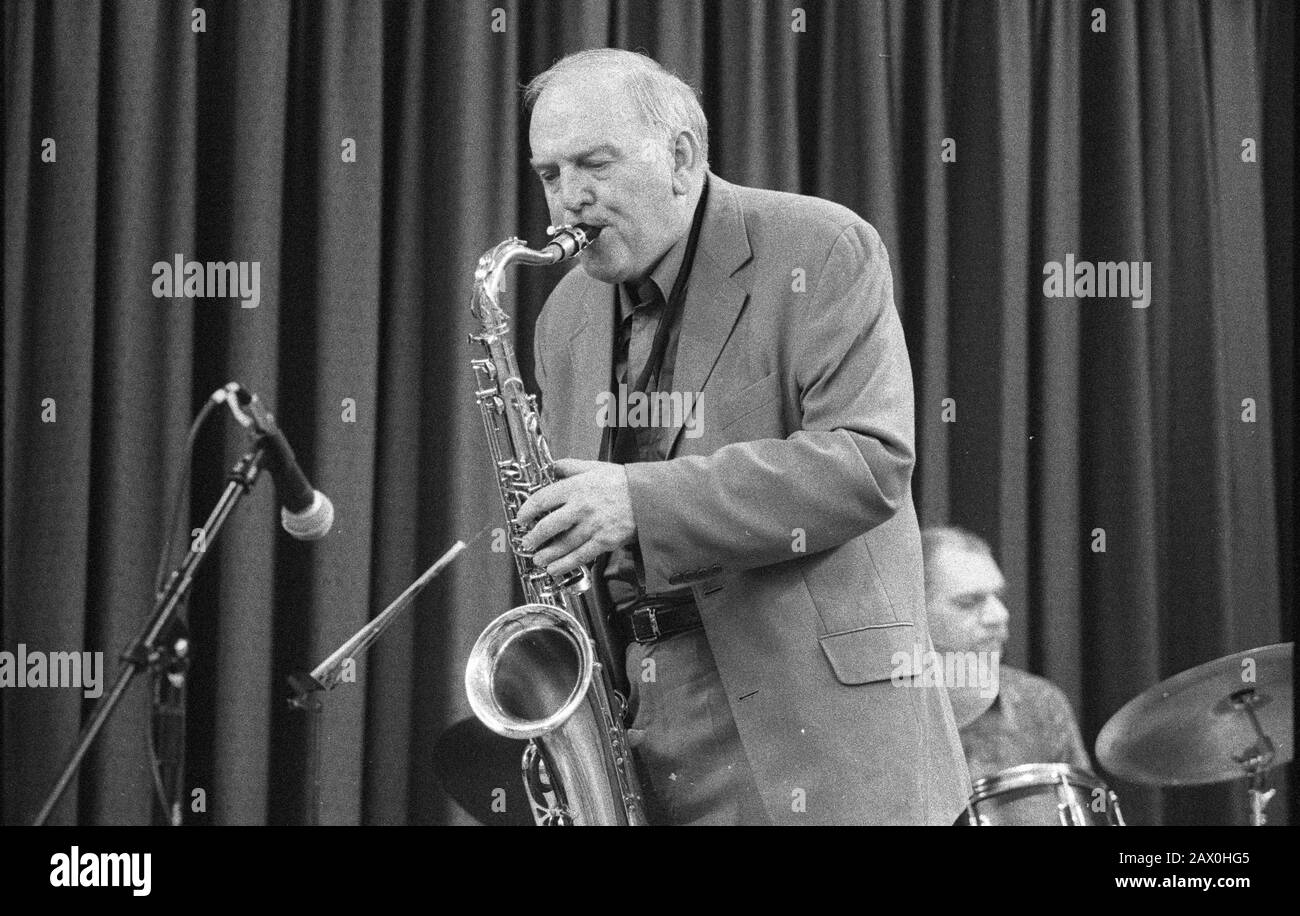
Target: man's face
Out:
[601,164]
[964,605]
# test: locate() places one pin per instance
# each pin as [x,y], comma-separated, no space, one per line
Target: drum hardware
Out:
[1257,759]
[1043,794]
[1069,809]
[1203,726]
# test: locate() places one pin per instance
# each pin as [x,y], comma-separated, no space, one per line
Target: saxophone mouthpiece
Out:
[568,241]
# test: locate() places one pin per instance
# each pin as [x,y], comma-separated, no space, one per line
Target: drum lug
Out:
[1077,816]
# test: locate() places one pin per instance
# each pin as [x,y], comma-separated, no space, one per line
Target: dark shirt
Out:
[637,323]
[1029,722]
[634,336]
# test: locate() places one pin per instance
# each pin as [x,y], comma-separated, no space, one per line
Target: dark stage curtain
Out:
[1071,415]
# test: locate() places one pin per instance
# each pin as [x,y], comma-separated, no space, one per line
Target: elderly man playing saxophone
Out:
[765,567]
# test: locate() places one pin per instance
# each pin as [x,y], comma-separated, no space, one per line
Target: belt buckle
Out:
[654,622]
[639,617]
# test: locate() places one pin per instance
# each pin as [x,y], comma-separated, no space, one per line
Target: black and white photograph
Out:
[545,413]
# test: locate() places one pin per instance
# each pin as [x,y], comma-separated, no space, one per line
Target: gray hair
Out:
[937,537]
[663,99]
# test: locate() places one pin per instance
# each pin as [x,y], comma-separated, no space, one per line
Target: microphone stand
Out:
[329,673]
[170,683]
[162,645]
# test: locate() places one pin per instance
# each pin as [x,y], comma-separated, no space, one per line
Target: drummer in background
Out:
[1012,717]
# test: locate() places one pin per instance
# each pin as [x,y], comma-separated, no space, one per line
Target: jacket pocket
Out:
[870,654]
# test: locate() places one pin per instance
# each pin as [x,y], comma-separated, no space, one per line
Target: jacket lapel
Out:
[714,300]
[713,304]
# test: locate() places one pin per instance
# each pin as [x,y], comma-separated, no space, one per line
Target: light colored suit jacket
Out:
[790,516]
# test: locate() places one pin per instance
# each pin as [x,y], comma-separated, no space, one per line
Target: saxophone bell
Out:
[529,671]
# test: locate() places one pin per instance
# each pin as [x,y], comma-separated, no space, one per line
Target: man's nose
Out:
[575,191]
[996,616]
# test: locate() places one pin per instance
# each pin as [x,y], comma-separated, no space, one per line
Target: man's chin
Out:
[599,269]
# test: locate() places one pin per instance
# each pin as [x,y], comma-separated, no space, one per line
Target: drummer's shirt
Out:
[1029,722]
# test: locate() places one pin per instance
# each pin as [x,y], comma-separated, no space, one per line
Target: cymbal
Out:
[481,771]
[1189,730]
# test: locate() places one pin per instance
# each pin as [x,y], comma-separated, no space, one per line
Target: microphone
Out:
[305,512]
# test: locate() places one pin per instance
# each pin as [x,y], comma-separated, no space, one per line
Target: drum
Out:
[1043,795]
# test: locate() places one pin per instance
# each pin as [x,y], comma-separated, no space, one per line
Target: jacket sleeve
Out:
[845,471]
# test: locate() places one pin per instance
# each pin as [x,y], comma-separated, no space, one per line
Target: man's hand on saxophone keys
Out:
[586,513]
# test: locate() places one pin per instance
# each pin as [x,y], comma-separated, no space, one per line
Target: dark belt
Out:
[651,619]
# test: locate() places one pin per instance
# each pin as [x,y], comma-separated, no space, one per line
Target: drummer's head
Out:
[963,592]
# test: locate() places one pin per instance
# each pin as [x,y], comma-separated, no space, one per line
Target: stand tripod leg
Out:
[1260,796]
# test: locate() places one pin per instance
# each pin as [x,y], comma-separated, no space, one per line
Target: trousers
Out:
[684,740]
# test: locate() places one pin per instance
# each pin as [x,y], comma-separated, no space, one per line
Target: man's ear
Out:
[686,161]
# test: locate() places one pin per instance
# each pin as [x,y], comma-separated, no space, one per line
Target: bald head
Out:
[963,591]
[664,101]
[618,142]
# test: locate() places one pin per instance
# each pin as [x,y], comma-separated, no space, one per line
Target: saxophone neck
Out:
[489,279]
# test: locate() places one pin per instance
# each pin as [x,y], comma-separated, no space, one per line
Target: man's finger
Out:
[586,553]
[543,501]
[563,546]
[550,526]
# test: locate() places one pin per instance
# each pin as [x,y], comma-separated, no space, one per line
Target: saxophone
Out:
[544,671]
